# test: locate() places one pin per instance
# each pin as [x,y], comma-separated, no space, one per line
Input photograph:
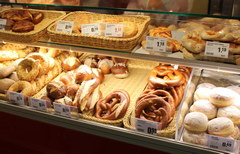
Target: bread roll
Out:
[196,122]
[221,127]
[205,107]
[222,97]
[236,134]
[201,93]
[5,84]
[195,138]
[231,112]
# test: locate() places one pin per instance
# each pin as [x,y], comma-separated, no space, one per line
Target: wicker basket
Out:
[39,30]
[123,44]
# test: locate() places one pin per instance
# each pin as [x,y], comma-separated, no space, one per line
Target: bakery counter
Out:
[111,132]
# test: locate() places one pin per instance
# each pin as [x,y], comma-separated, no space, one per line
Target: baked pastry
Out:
[222,97]
[105,65]
[221,127]
[8,55]
[205,107]
[230,112]
[23,87]
[196,122]
[206,85]
[23,26]
[5,84]
[56,90]
[202,93]
[91,62]
[237,102]
[14,76]
[236,134]
[37,17]
[130,29]
[6,71]
[28,69]
[235,88]
[120,70]
[43,62]
[70,63]
[195,138]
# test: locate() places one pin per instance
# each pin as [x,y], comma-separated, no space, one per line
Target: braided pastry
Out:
[114,106]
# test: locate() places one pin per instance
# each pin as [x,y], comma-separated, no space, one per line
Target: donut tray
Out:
[170,130]
[123,44]
[39,30]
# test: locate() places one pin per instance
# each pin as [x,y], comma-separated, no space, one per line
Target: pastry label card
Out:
[62,109]
[90,29]
[3,23]
[146,126]
[221,143]
[38,104]
[114,30]
[15,98]
[156,43]
[216,49]
[64,26]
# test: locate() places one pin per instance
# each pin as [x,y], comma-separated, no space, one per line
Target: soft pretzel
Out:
[23,87]
[28,69]
[114,106]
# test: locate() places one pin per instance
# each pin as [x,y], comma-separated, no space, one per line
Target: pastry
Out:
[56,90]
[236,134]
[5,84]
[235,88]
[83,73]
[28,69]
[230,112]
[206,85]
[23,87]
[43,62]
[14,76]
[23,26]
[195,138]
[120,70]
[205,107]
[70,63]
[37,17]
[105,65]
[196,122]
[221,127]
[6,71]
[222,97]
[201,93]
[236,102]
[8,55]
[91,62]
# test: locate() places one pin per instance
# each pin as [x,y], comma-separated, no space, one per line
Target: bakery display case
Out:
[159,77]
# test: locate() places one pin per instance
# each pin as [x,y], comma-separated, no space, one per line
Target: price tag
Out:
[221,143]
[15,98]
[64,26]
[176,35]
[114,30]
[146,126]
[90,29]
[38,104]
[156,43]
[61,109]
[3,23]
[217,49]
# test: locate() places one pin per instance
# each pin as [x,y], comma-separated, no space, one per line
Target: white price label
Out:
[64,26]
[216,49]
[15,98]
[90,29]
[156,43]
[146,126]
[114,30]
[62,109]
[39,104]
[176,35]
[221,143]
[3,23]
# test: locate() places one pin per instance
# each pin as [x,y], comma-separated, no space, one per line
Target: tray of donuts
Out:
[214,114]
[27,25]
[161,100]
[35,71]
[101,89]
[133,28]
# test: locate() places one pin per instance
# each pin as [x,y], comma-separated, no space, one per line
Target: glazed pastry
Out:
[222,97]
[120,70]
[70,63]
[202,93]
[23,26]
[5,84]
[37,17]
[221,127]
[56,90]
[195,138]
[206,85]
[196,122]
[231,112]
[205,107]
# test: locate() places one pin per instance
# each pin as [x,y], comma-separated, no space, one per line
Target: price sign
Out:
[114,30]
[221,143]
[217,49]
[90,29]
[15,98]
[38,104]
[146,126]
[156,43]
[3,23]
[62,109]
[64,26]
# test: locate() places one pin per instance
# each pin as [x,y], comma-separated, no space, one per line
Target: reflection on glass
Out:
[58,2]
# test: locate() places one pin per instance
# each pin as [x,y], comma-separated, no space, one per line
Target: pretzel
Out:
[164,76]
[114,106]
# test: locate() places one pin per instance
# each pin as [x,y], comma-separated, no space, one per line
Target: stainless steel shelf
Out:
[107,131]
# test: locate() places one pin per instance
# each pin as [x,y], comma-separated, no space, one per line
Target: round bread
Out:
[201,93]
[222,97]
[28,69]
[196,122]
[206,85]
[235,88]
[120,70]
[205,107]
[43,62]
[231,112]
[195,138]
[237,102]
[236,134]
[5,84]
[220,127]
[70,63]
[23,87]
